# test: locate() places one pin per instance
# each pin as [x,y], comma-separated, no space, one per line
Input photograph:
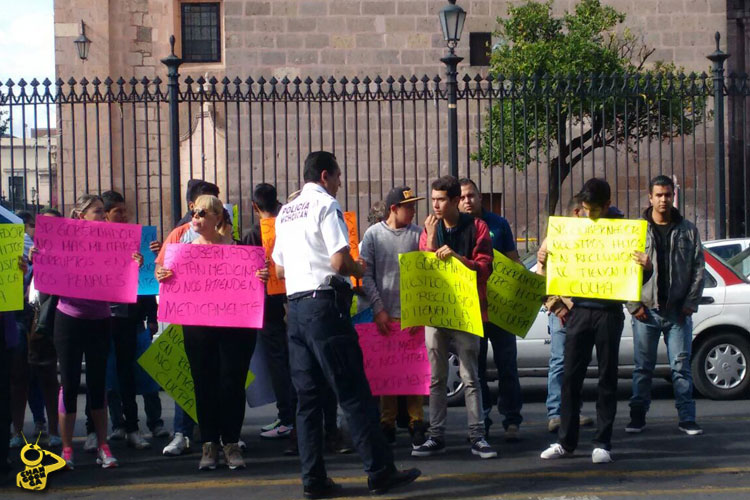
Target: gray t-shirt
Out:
[380,248]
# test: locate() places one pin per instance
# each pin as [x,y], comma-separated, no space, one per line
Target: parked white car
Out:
[721,339]
[728,248]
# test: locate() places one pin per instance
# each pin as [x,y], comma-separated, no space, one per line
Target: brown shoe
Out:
[210,456]
[585,421]
[233,456]
[553,424]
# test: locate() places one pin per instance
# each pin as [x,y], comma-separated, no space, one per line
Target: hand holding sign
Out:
[439,293]
[86,259]
[11,276]
[594,258]
[395,364]
[147,284]
[514,295]
[213,285]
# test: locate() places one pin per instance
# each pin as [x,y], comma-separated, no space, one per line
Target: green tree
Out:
[572,84]
[4,122]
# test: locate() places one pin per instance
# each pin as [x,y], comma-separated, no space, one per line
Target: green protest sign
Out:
[439,293]
[168,364]
[11,277]
[514,295]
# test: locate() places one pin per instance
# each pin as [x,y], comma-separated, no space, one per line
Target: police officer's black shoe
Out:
[392,479]
[326,489]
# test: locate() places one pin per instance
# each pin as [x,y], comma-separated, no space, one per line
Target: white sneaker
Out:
[91,444]
[160,432]
[242,444]
[279,432]
[137,441]
[55,440]
[601,456]
[118,434]
[271,426]
[105,459]
[177,446]
[555,451]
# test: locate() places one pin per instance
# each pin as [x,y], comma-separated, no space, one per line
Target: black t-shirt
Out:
[663,249]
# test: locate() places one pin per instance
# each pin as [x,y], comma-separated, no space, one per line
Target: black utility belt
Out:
[311,294]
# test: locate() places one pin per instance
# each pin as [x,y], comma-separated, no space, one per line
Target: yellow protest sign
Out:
[11,277]
[439,293]
[168,364]
[514,295]
[593,259]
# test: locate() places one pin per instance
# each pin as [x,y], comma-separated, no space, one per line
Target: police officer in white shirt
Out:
[312,254]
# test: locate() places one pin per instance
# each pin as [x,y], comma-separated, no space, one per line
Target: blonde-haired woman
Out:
[219,357]
[82,326]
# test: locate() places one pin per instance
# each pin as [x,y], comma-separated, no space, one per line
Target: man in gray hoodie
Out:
[381,245]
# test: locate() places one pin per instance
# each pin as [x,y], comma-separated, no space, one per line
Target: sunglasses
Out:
[200,213]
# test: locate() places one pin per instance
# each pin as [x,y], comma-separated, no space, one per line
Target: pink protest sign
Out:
[395,364]
[86,259]
[213,285]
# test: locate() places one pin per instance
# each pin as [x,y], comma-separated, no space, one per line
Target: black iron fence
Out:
[528,143]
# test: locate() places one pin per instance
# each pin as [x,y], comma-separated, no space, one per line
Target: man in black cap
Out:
[381,245]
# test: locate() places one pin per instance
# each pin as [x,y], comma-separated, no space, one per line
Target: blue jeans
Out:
[505,355]
[182,422]
[678,338]
[556,365]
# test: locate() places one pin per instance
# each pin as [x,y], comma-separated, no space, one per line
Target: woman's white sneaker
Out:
[601,456]
[91,444]
[177,446]
[555,451]
[137,441]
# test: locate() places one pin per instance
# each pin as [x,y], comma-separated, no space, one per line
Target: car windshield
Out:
[735,264]
[741,262]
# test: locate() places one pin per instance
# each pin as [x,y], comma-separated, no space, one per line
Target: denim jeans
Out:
[466,344]
[182,422]
[151,405]
[678,338]
[505,354]
[324,352]
[556,365]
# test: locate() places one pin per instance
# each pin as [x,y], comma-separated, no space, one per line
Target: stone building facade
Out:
[351,38]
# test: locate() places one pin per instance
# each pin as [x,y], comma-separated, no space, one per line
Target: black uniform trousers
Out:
[324,351]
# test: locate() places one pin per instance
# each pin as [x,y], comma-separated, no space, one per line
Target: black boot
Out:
[637,421]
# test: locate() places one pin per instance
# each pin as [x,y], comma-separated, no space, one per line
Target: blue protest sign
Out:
[147,284]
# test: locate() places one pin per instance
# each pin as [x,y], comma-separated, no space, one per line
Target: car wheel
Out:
[720,366]
[455,385]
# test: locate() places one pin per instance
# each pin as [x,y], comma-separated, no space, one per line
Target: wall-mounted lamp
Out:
[82,43]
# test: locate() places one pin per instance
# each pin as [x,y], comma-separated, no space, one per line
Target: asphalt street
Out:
[660,463]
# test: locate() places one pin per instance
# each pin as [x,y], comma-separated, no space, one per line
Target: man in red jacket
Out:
[450,233]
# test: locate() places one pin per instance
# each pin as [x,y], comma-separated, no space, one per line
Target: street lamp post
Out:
[452,23]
